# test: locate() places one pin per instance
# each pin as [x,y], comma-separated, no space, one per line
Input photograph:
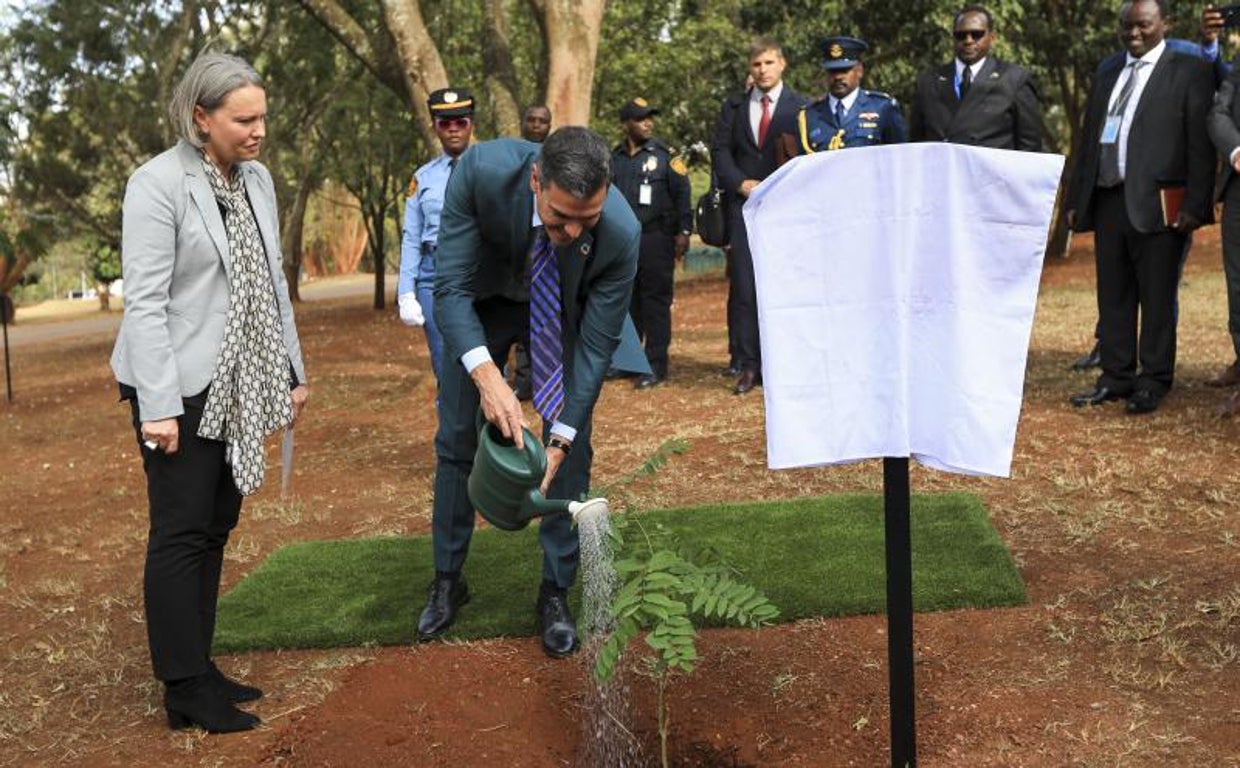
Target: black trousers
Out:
[651,306]
[194,505]
[456,442]
[1137,276]
[1231,260]
[743,293]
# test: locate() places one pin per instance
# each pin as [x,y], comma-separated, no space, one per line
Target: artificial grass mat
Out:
[812,557]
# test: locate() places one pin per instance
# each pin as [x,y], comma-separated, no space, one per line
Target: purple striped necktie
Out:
[546,342]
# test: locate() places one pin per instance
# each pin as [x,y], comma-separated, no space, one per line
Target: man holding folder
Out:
[1143,181]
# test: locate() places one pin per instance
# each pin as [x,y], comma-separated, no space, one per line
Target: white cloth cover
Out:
[896,293]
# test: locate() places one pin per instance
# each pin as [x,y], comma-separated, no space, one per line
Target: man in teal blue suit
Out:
[506,200]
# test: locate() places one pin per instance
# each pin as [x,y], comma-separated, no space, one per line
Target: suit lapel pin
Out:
[585,249]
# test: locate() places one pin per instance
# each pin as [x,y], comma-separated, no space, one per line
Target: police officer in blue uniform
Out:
[656,185]
[848,116]
[452,110]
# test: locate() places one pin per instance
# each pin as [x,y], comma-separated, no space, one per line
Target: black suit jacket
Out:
[1167,142]
[734,153]
[485,234]
[1224,126]
[1001,109]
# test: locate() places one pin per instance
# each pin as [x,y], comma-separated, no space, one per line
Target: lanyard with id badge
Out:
[1115,115]
[645,193]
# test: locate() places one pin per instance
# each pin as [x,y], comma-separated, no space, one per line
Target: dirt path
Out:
[1125,529]
[73,321]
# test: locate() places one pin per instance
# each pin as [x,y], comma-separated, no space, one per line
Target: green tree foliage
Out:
[87,84]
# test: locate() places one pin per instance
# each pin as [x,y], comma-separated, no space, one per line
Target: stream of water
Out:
[608,740]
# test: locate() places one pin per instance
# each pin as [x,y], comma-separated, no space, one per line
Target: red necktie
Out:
[765,123]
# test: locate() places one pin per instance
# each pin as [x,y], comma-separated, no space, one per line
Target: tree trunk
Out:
[378,59]
[571,35]
[377,256]
[291,236]
[167,71]
[419,57]
[1060,240]
[503,93]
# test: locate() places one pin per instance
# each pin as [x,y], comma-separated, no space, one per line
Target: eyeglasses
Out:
[969,34]
[446,123]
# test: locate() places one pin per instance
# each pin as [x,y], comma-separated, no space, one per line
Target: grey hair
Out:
[206,84]
[576,160]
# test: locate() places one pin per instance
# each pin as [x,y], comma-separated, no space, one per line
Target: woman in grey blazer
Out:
[209,360]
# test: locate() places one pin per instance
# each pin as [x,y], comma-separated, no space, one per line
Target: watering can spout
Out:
[537,505]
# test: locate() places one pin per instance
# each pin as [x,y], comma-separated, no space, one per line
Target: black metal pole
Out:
[4,320]
[899,612]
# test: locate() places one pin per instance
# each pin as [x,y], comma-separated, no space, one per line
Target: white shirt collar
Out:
[1151,56]
[975,66]
[755,94]
[848,100]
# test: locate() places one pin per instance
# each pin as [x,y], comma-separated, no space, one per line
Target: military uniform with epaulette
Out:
[859,118]
[655,182]
[873,119]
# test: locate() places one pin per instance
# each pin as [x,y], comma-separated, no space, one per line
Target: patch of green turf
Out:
[812,557]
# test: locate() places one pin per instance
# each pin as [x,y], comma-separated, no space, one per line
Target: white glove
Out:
[410,310]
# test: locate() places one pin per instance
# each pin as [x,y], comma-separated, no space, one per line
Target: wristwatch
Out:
[561,442]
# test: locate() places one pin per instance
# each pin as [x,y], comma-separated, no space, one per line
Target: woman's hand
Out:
[300,394]
[165,434]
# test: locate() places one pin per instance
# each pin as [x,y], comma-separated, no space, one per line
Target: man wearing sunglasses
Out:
[977,99]
[452,109]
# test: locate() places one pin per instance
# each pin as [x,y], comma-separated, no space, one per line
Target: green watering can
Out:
[503,485]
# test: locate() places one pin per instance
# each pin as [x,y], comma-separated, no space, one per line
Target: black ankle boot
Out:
[237,693]
[198,701]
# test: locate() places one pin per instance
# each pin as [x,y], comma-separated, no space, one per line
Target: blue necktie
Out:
[546,342]
[839,114]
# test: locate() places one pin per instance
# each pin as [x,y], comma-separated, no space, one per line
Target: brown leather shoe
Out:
[1228,377]
[1230,406]
[747,381]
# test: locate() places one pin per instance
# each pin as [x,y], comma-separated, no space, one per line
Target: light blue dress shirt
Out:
[418,243]
[422,218]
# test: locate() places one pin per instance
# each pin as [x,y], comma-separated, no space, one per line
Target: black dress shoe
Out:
[199,701]
[234,691]
[648,380]
[1098,396]
[448,592]
[747,381]
[1228,377]
[1091,359]
[1142,401]
[559,632]
[731,372]
[615,373]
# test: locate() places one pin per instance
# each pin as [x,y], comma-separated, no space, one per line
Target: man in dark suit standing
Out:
[1224,128]
[1143,180]
[977,99]
[533,244]
[743,154]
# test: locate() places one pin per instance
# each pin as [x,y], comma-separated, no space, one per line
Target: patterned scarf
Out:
[249,395]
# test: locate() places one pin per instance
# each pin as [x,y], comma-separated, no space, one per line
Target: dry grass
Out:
[1127,530]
